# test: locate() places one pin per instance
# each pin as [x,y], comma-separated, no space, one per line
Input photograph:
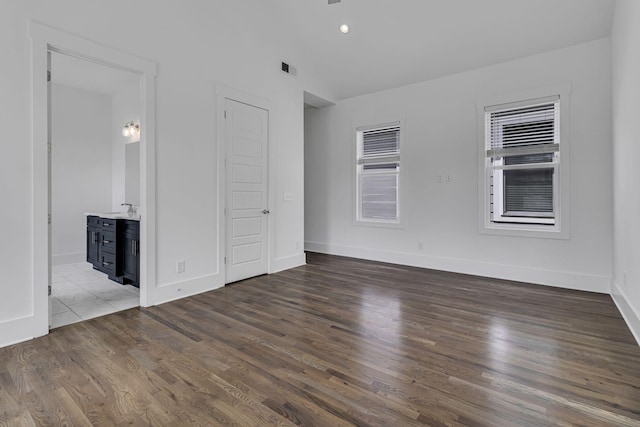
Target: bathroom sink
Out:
[116,215]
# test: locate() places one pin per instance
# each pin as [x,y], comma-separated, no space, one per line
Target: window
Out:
[378,174]
[522,156]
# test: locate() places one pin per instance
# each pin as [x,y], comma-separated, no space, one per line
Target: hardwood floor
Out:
[338,342]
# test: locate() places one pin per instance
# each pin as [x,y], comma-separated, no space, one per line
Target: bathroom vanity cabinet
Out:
[92,240]
[113,248]
[131,252]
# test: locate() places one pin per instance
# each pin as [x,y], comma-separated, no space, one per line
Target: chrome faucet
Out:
[130,210]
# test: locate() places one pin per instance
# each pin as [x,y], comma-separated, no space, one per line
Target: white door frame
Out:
[223,93]
[43,40]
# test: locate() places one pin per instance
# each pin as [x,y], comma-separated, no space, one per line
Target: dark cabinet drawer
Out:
[108,241]
[108,263]
[107,223]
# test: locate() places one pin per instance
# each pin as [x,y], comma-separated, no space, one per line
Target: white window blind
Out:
[378,174]
[381,142]
[525,130]
[522,144]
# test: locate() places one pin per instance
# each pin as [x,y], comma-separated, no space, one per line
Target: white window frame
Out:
[357,137]
[558,228]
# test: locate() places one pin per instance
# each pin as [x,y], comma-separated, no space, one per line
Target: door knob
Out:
[265,211]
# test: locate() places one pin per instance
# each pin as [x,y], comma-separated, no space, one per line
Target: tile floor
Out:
[79,293]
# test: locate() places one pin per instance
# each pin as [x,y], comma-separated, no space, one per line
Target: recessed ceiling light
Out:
[344,28]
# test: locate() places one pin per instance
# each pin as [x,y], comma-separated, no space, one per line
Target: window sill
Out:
[523,230]
[524,222]
[378,224]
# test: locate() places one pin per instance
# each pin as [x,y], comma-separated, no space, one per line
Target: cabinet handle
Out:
[133,247]
[106,242]
[106,264]
[106,224]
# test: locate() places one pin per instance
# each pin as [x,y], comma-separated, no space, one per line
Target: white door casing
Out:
[45,39]
[49,187]
[247,211]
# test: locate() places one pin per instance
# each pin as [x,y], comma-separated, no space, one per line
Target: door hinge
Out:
[49,290]
[48,147]
[225,114]
[225,211]
[225,260]
[49,218]
[48,75]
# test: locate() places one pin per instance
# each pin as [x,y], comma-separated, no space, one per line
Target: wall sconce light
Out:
[131,129]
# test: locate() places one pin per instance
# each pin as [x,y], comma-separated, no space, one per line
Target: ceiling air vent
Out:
[289,69]
[334,1]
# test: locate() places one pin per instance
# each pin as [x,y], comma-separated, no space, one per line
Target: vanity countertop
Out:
[115,215]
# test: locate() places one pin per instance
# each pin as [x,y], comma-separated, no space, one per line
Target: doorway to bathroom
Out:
[94,172]
[46,41]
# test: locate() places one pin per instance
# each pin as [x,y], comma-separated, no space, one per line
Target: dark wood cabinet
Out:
[93,236]
[131,252]
[110,257]
[113,247]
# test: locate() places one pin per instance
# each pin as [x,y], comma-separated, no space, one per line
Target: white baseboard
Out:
[286,263]
[187,288]
[16,331]
[561,279]
[72,258]
[177,290]
[629,314]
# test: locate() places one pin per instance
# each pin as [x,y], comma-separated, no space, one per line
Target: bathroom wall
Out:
[132,173]
[125,108]
[81,167]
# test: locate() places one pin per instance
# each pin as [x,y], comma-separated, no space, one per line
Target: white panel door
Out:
[247,142]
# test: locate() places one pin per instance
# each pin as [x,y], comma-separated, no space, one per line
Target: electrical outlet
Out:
[449,177]
[439,178]
[180,267]
[287,197]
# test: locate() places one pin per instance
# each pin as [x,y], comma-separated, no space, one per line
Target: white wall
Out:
[440,135]
[236,43]
[626,156]
[125,108]
[81,167]
[132,174]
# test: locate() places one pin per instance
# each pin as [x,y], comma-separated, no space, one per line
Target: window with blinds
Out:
[522,159]
[378,174]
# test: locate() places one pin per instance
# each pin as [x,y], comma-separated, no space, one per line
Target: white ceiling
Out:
[398,42]
[69,71]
